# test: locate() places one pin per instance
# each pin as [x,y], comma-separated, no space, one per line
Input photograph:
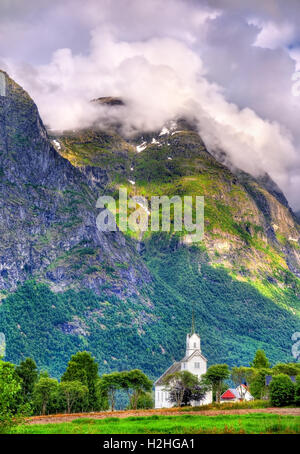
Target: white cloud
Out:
[226,63]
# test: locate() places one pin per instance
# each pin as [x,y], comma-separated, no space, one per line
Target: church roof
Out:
[174,368]
[195,352]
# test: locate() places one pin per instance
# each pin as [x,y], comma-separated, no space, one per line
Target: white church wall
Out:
[196,365]
[161,398]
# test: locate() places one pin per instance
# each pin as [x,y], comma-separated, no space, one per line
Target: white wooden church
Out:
[194,362]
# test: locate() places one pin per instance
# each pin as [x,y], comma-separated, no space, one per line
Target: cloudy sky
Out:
[233,65]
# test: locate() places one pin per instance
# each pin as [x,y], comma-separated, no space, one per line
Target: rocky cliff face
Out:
[48,210]
[243,277]
[249,226]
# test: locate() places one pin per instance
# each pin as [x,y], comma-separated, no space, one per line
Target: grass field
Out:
[254,423]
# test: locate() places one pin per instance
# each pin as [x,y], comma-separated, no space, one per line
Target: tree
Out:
[83,367]
[258,387]
[28,373]
[197,393]
[282,390]
[287,369]
[136,381]
[102,396]
[10,386]
[183,387]
[260,360]
[45,391]
[72,392]
[241,375]
[145,401]
[216,375]
[110,383]
[297,391]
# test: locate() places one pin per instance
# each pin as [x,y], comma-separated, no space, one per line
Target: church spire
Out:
[193,319]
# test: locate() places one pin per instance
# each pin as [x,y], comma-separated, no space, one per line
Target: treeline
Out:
[280,384]
[26,391]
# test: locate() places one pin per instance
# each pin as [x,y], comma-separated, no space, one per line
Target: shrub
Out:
[282,390]
[145,401]
[297,392]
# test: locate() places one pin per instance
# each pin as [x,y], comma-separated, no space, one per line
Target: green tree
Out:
[258,387]
[83,367]
[10,386]
[287,369]
[260,360]
[110,384]
[72,392]
[241,375]
[282,390]
[44,393]
[145,401]
[28,373]
[136,381]
[102,396]
[183,387]
[216,375]
[297,391]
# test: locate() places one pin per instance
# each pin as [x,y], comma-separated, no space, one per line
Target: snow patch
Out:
[164,131]
[154,141]
[57,144]
[141,147]
[176,132]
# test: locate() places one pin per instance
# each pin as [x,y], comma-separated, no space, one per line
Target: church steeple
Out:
[193,341]
[193,319]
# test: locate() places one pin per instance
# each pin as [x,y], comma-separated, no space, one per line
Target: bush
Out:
[10,401]
[297,391]
[145,401]
[282,390]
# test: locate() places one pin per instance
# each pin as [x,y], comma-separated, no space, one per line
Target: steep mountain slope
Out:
[48,209]
[125,297]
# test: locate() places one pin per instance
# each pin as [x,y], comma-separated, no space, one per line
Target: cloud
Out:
[228,64]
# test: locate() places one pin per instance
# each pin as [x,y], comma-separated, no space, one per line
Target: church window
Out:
[197,365]
[195,345]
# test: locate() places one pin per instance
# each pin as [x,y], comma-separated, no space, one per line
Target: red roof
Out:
[228,395]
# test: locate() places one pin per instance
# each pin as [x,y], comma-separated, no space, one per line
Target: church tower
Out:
[193,341]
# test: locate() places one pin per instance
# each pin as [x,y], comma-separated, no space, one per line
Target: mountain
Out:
[65,286]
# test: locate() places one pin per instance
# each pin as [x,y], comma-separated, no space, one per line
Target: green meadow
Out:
[255,423]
